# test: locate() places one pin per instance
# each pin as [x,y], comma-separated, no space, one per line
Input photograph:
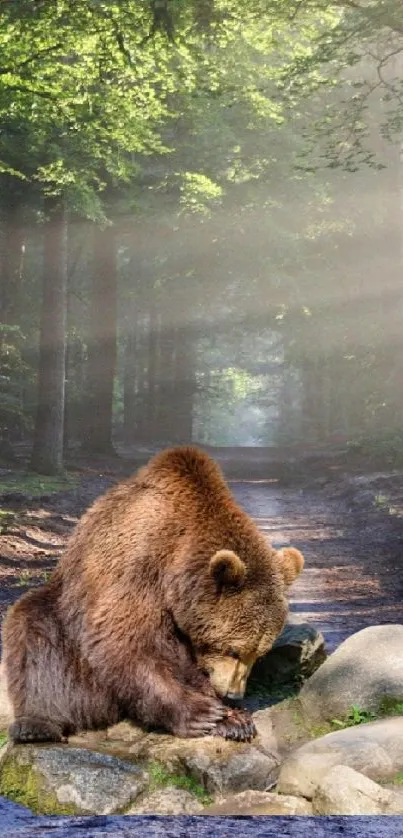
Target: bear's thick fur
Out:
[163,600]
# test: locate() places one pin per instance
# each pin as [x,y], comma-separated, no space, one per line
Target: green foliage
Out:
[356,716]
[387,707]
[222,109]
[199,192]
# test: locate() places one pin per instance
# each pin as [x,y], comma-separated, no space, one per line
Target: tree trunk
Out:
[130,382]
[184,385]
[142,347]
[47,454]
[152,368]
[12,251]
[165,419]
[102,343]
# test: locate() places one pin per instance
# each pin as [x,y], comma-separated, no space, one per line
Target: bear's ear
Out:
[291,562]
[227,569]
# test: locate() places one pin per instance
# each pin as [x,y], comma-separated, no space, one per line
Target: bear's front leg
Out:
[159,699]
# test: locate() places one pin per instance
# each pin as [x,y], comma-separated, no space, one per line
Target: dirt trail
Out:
[354,569]
[353,576]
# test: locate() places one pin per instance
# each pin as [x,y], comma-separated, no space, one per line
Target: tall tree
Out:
[102,342]
[47,454]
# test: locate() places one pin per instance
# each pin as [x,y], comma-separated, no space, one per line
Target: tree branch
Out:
[19,88]
[17,68]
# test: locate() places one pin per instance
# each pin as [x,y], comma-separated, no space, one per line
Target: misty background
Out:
[232,277]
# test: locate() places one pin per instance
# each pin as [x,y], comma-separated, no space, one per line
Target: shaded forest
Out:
[200,225]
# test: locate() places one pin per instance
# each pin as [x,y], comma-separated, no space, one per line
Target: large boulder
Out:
[344,791]
[375,750]
[364,671]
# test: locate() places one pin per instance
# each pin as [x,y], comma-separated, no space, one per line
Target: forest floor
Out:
[348,524]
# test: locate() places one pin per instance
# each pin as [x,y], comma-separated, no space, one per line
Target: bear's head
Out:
[232,611]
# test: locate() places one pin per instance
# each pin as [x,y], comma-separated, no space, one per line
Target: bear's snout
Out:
[228,676]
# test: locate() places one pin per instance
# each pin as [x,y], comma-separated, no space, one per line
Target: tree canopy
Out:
[208,134]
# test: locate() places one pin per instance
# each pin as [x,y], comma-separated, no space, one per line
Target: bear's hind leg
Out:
[53,693]
[34,729]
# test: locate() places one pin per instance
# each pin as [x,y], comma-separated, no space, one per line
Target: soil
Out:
[349,526]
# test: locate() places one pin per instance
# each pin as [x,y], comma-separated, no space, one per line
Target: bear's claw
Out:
[238,725]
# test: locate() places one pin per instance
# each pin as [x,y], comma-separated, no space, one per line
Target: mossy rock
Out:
[21,783]
[59,780]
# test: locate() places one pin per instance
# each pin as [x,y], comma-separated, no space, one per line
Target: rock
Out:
[375,749]
[220,772]
[259,803]
[65,780]
[344,791]
[364,670]
[296,654]
[219,766]
[168,801]
[6,713]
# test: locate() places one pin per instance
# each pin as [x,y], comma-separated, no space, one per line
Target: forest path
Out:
[353,575]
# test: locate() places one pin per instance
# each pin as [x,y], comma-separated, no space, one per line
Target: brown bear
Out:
[162,602]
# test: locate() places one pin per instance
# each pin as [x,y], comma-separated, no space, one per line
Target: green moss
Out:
[3,738]
[22,784]
[36,484]
[160,778]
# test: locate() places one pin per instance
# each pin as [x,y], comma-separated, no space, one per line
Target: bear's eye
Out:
[233,654]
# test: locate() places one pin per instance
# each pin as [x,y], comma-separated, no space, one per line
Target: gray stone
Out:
[375,750]
[167,801]
[259,803]
[364,670]
[296,655]
[344,791]
[89,782]
[247,769]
